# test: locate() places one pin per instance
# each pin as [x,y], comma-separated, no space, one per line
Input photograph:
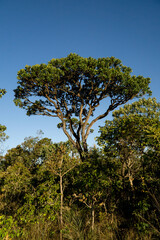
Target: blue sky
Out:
[35,31]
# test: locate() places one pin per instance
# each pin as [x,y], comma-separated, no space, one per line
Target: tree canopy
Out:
[133,137]
[132,141]
[73,87]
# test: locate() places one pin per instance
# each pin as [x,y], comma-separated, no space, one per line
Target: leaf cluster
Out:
[74,81]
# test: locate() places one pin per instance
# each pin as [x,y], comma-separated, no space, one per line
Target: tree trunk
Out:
[130,180]
[93,217]
[81,154]
[85,147]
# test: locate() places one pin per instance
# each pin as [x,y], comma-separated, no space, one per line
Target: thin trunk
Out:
[61,207]
[123,175]
[93,217]
[130,180]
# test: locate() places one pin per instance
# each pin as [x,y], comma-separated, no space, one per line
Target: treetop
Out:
[75,80]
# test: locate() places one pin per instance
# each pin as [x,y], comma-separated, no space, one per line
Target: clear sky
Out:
[35,31]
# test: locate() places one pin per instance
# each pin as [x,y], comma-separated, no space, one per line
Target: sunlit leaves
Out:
[133,136]
[3,135]
[73,87]
[2,92]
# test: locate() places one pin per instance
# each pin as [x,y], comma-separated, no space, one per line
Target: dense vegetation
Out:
[67,190]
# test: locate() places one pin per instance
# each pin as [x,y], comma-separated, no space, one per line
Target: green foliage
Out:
[133,134]
[72,88]
[28,192]
[2,92]
[132,138]
[3,135]
[88,78]
[30,195]
[59,162]
[46,191]
[9,227]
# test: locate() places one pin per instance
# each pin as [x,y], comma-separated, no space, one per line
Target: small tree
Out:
[133,131]
[73,87]
[89,183]
[28,192]
[132,138]
[60,163]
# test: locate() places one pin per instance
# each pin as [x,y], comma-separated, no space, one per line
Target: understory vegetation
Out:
[47,192]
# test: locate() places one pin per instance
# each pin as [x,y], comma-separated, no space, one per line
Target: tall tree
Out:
[73,87]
